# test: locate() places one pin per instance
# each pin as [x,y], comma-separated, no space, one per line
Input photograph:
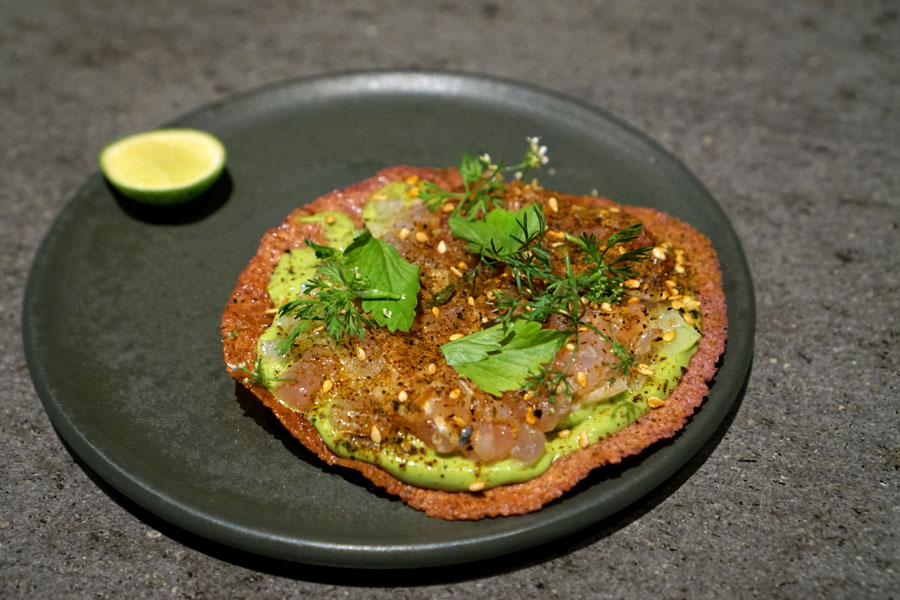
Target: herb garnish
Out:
[366,285]
[514,239]
[483,183]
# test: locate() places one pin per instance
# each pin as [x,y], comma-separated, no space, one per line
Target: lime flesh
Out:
[164,166]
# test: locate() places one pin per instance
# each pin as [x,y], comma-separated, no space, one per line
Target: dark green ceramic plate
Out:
[123,305]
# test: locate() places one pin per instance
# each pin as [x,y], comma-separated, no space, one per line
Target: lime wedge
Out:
[164,166]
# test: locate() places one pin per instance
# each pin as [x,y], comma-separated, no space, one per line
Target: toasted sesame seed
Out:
[360,353]
[456,271]
[271,311]
[462,265]
[375,434]
[458,421]
[606,307]
[431,369]
[528,395]
[659,252]
[668,336]
[529,416]
[327,385]
[404,233]
[581,378]
[677,304]
[448,207]
[688,318]
[402,396]
[553,203]
[412,180]
[632,283]
[476,486]
[644,369]
[421,236]
[455,336]
[555,233]
[633,300]
[455,393]
[471,301]
[670,283]
[329,219]
[484,319]
[583,440]
[442,247]
[692,304]
[614,209]
[655,402]
[557,244]
[413,192]
[564,433]
[570,347]
[435,311]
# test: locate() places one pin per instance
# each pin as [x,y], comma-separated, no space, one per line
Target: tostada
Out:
[473,343]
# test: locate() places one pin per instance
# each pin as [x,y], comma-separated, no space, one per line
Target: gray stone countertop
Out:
[788,111]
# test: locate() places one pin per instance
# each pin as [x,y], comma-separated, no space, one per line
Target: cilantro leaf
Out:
[504,357]
[501,232]
[381,266]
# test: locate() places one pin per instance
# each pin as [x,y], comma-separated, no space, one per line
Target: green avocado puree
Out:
[298,265]
[423,466]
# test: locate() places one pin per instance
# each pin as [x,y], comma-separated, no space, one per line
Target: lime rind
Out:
[164,166]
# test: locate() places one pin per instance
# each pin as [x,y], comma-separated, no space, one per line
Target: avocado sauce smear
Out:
[391,399]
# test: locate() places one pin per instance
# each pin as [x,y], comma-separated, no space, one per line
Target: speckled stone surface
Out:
[789,113]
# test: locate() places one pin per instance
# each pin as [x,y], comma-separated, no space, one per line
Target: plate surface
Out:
[122,311]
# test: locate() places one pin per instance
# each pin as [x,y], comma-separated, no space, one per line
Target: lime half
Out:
[164,166]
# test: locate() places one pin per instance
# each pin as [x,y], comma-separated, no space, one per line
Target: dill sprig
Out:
[332,298]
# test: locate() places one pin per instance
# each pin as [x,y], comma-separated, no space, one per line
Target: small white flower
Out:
[536,155]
